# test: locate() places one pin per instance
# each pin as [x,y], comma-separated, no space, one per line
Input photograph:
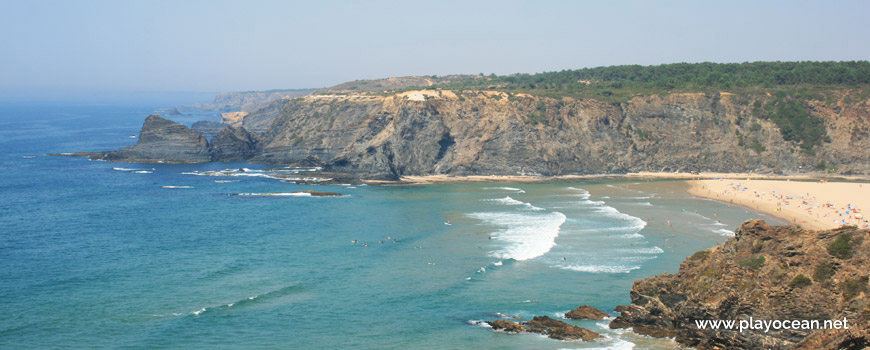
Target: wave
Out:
[124,169]
[225,181]
[142,172]
[518,190]
[724,232]
[601,268]
[528,235]
[647,204]
[615,344]
[652,250]
[584,194]
[277,293]
[176,187]
[633,222]
[506,201]
[478,323]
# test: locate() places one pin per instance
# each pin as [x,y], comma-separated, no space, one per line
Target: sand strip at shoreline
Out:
[811,204]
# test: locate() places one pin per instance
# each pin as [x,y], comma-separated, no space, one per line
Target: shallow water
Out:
[98,254]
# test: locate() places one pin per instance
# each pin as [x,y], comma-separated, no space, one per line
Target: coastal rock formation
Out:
[233,118]
[488,132]
[552,328]
[763,273]
[233,143]
[586,312]
[208,128]
[475,132]
[162,140]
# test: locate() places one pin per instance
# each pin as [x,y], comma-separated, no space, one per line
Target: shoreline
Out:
[816,205]
[629,176]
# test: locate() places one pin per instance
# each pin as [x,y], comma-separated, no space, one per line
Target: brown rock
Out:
[749,276]
[507,326]
[586,312]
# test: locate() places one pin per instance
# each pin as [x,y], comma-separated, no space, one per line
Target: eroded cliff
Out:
[764,273]
[489,132]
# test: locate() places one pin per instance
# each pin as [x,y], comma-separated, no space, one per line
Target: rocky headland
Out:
[460,133]
[764,273]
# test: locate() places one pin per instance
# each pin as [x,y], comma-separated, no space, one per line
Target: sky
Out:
[104,49]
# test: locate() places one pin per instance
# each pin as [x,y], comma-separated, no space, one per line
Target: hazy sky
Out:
[75,48]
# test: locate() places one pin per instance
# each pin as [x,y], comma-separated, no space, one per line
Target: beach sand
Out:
[811,204]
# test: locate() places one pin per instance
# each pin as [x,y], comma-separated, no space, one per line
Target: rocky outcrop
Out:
[208,128]
[764,273]
[552,328]
[233,143]
[260,120]
[586,312]
[165,141]
[233,118]
[162,140]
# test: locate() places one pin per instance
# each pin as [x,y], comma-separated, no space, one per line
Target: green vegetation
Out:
[796,124]
[824,271]
[619,83]
[844,246]
[800,281]
[851,288]
[753,263]
[700,255]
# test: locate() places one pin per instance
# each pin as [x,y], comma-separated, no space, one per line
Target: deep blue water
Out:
[94,256]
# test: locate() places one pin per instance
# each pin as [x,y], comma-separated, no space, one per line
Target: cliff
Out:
[490,132]
[766,273]
[163,140]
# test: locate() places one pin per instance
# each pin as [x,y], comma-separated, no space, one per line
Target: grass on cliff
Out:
[753,263]
[800,281]
[844,246]
[824,271]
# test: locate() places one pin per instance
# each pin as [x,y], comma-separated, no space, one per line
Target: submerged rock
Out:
[762,274]
[321,194]
[586,312]
[552,328]
[507,326]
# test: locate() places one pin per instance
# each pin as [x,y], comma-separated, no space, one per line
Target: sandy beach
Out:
[803,200]
[811,204]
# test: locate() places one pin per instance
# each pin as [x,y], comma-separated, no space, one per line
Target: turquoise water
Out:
[97,254]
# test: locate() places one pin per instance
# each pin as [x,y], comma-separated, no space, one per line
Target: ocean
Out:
[119,255]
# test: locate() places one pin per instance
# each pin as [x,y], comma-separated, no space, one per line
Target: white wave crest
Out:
[505,201]
[584,194]
[518,190]
[528,235]
[724,232]
[601,268]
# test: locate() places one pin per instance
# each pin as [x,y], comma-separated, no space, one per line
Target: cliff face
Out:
[440,132]
[766,273]
[163,140]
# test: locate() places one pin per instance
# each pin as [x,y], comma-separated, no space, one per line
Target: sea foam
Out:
[528,234]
